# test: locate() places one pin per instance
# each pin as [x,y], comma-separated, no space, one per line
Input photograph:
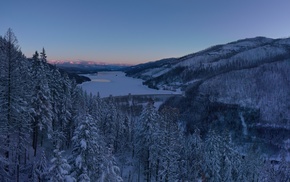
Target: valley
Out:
[239,90]
[221,114]
[145,91]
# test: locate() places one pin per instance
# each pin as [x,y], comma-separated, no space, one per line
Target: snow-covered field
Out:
[117,84]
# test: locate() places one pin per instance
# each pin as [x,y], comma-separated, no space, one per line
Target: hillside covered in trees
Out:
[242,86]
[51,130]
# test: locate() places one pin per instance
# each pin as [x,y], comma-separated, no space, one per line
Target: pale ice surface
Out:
[117,84]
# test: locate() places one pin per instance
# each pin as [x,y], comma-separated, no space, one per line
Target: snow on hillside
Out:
[238,46]
[252,56]
[251,88]
[117,84]
[239,55]
[198,60]
[244,50]
[247,43]
[155,72]
[261,53]
[251,73]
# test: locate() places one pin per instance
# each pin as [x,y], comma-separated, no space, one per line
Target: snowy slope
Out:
[266,88]
[196,60]
[238,55]
[251,73]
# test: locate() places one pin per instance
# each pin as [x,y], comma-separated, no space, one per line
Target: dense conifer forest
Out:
[51,130]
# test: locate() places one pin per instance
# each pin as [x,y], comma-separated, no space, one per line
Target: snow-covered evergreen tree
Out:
[61,101]
[146,135]
[193,156]
[110,170]
[84,177]
[227,157]
[65,114]
[40,102]
[169,147]
[40,170]
[59,169]
[212,157]
[87,150]
[109,124]
[227,173]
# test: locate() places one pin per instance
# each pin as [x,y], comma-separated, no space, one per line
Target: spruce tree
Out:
[87,150]
[168,156]
[213,157]
[59,169]
[41,104]
[40,170]
[146,137]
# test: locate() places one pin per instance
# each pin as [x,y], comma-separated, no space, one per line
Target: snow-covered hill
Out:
[251,73]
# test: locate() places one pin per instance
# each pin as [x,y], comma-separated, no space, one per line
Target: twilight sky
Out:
[135,31]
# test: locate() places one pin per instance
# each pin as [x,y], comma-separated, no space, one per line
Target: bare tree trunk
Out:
[147,170]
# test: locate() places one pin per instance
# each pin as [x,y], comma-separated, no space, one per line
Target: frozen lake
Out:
[117,84]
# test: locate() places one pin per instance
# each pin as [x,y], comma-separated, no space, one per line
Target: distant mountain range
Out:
[83,67]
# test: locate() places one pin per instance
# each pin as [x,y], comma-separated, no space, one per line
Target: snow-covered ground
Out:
[117,84]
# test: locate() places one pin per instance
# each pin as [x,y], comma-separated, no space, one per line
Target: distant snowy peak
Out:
[85,67]
[81,62]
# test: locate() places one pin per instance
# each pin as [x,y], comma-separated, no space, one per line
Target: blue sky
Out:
[136,31]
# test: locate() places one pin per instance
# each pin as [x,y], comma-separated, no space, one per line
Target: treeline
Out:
[51,130]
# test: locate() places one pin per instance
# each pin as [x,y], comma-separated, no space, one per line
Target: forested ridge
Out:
[51,130]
